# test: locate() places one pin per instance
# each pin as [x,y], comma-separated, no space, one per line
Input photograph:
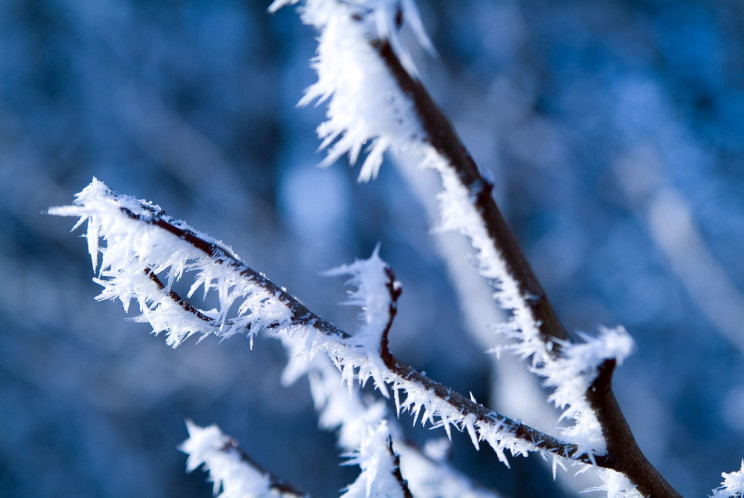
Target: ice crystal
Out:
[614,485]
[732,485]
[376,459]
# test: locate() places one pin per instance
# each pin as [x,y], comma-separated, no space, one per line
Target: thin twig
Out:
[300,314]
[175,297]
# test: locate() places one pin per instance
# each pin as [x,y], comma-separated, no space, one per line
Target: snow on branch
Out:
[570,377]
[376,291]
[614,485]
[372,98]
[144,252]
[143,245]
[567,368]
[234,474]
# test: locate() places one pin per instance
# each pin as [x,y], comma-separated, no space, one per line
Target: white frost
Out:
[569,375]
[732,485]
[140,261]
[140,241]
[614,485]
[375,458]
[232,476]
[369,290]
[342,408]
[366,108]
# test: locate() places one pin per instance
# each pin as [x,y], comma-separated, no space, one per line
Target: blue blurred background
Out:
[614,131]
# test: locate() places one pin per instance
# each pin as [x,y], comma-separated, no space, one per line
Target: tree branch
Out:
[623,455]
[222,255]
[301,316]
[441,135]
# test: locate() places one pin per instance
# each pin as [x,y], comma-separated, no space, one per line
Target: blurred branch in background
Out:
[671,225]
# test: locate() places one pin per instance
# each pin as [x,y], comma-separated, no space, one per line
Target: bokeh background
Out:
[614,131]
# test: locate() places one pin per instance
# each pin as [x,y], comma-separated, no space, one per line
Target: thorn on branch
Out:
[481,189]
[395,290]
[603,381]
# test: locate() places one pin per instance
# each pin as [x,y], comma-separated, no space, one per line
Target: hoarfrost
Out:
[232,476]
[732,485]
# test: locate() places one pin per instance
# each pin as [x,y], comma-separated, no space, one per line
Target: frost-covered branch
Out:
[141,240]
[374,96]
[233,472]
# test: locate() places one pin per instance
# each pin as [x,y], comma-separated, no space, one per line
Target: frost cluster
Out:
[376,459]
[732,485]
[369,290]
[569,374]
[233,477]
[614,485]
[366,109]
[343,409]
